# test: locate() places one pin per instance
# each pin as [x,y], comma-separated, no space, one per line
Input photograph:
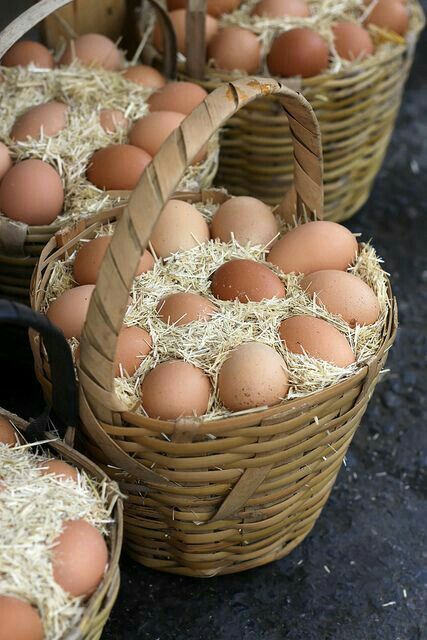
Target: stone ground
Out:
[361,574]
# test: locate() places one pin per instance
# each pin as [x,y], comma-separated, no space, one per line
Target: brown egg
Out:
[178,19]
[27,52]
[8,434]
[287,209]
[182,97]
[254,375]
[184,308]
[19,620]
[314,246]
[234,48]
[246,280]
[316,338]
[111,120]
[60,469]
[118,167]
[214,7]
[146,76]
[93,49]
[248,219]
[133,345]
[46,119]
[282,8]
[180,227]
[89,257]
[175,389]
[32,192]
[298,52]
[79,558]
[352,41]
[5,160]
[343,294]
[391,15]
[68,312]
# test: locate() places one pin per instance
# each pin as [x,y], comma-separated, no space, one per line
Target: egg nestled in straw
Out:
[118,167]
[281,9]
[298,52]
[68,312]
[111,120]
[352,41]
[7,432]
[175,389]
[214,7]
[93,49]
[247,219]
[391,15]
[234,48]
[145,75]
[19,620]
[5,160]
[184,308]
[182,97]
[180,227]
[45,120]
[25,53]
[253,375]
[79,558]
[343,294]
[31,192]
[59,469]
[246,281]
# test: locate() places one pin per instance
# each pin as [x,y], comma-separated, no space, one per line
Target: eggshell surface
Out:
[31,192]
[314,246]
[111,120]
[19,620]
[281,8]
[298,52]
[89,257]
[180,227]
[93,49]
[5,160]
[7,432]
[68,312]
[246,280]
[25,53]
[316,338]
[214,7]
[235,48]
[133,345]
[352,41]
[181,97]
[183,308]
[254,375]
[118,167]
[79,558]
[59,468]
[45,119]
[145,75]
[249,220]
[343,294]
[391,15]
[178,19]
[175,389]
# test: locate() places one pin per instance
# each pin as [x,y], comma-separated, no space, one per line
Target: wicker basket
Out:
[21,245]
[217,497]
[61,416]
[356,109]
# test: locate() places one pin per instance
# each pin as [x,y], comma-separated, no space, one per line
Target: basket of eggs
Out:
[76,132]
[225,357]
[350,59]
[61,515]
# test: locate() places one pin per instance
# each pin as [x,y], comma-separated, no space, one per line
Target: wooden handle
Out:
[41,10]
[195,45]
[157,184]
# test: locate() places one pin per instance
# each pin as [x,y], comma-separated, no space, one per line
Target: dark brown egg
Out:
[298,52]
[145,76]
[391,15]
[281,9]
[352,41]
[27,52]
[93,49]
[47,119]
[118,167]
[234,48]
[246,280]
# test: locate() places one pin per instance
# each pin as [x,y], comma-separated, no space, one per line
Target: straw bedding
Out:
[87,91]
[32,509]
[207,344]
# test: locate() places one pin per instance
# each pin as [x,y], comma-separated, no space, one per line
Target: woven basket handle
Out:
[41,10]
[157,184]
[64,412]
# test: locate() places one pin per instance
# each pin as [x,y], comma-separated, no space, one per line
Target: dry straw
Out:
[355,102]
[32,509]
[212,496]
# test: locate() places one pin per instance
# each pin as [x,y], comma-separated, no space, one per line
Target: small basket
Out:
[61,418]
[20,244]
[356,109]
[217,497]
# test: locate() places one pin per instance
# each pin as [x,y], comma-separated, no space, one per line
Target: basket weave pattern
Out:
[356,109]
[208,498]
